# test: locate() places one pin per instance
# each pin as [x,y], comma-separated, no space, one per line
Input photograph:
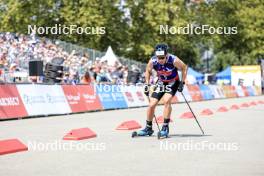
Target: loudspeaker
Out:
[35,68]
[53,73]
[54,68]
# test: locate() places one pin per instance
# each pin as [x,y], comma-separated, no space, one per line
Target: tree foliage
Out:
[133,26]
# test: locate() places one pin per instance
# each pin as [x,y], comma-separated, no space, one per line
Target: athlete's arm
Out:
[178,63]
[148,71]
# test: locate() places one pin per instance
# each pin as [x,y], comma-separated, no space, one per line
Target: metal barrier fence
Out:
[93,54]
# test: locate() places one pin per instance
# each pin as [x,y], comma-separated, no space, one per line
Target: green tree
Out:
[146,18]
[16,15]
[96,13]
[133,28]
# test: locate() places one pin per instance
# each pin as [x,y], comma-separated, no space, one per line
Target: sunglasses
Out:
[161,58]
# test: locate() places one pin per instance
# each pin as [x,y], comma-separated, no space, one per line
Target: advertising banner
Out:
[217,91]
[82,98]
[11,105]
[229,91]
[186,94]
[206,92]
[43,99]
[250,90]
[111,96]
[134,97]
[240,91]
[246,75]
[195,92]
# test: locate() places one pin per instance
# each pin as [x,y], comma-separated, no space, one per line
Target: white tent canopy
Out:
[110,57]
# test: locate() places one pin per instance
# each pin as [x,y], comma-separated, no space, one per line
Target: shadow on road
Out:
[189,135]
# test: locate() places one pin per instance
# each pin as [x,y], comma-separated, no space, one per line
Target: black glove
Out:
[181,86]
[146,89]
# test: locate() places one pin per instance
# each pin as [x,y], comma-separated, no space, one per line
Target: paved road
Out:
[233,144]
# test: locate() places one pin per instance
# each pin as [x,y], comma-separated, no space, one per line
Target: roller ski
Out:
[145,132]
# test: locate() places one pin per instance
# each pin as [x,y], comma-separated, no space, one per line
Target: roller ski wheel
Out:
[134,134]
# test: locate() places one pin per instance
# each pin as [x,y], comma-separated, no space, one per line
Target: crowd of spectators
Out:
[16,50]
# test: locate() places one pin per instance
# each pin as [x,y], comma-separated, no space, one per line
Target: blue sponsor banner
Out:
[250,91]
[111,96]
[206,92]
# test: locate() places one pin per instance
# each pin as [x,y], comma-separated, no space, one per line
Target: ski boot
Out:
[164,133]
[145,132]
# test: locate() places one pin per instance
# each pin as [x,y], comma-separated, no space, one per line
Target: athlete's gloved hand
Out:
[146,89]
[181,86]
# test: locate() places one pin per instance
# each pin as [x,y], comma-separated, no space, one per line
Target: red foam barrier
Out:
[129,125]
[160,119]
[80,134]
[244,105]
[234,107]
[260,102]
[253,103]
[11,146]
[222,109]
[206,112]
[187,115]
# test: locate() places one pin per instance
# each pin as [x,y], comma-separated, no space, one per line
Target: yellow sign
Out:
[246,69]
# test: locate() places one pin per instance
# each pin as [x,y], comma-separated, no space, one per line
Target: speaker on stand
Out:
[35,68]
[53,73]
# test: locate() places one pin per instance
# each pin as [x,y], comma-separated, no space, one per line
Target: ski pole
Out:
[192,113]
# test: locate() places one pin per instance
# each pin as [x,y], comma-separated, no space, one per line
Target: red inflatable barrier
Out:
[187,115]
[160,119]
[244,105]
[260,102]
[11,146]
[79,134]
[129,125]
[234,107]
[206,112]
[222,109]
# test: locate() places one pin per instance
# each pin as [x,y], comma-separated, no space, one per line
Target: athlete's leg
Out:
[148,131]
[151,108]
[153,101]
[166,114]
[167,98]
[171,90]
